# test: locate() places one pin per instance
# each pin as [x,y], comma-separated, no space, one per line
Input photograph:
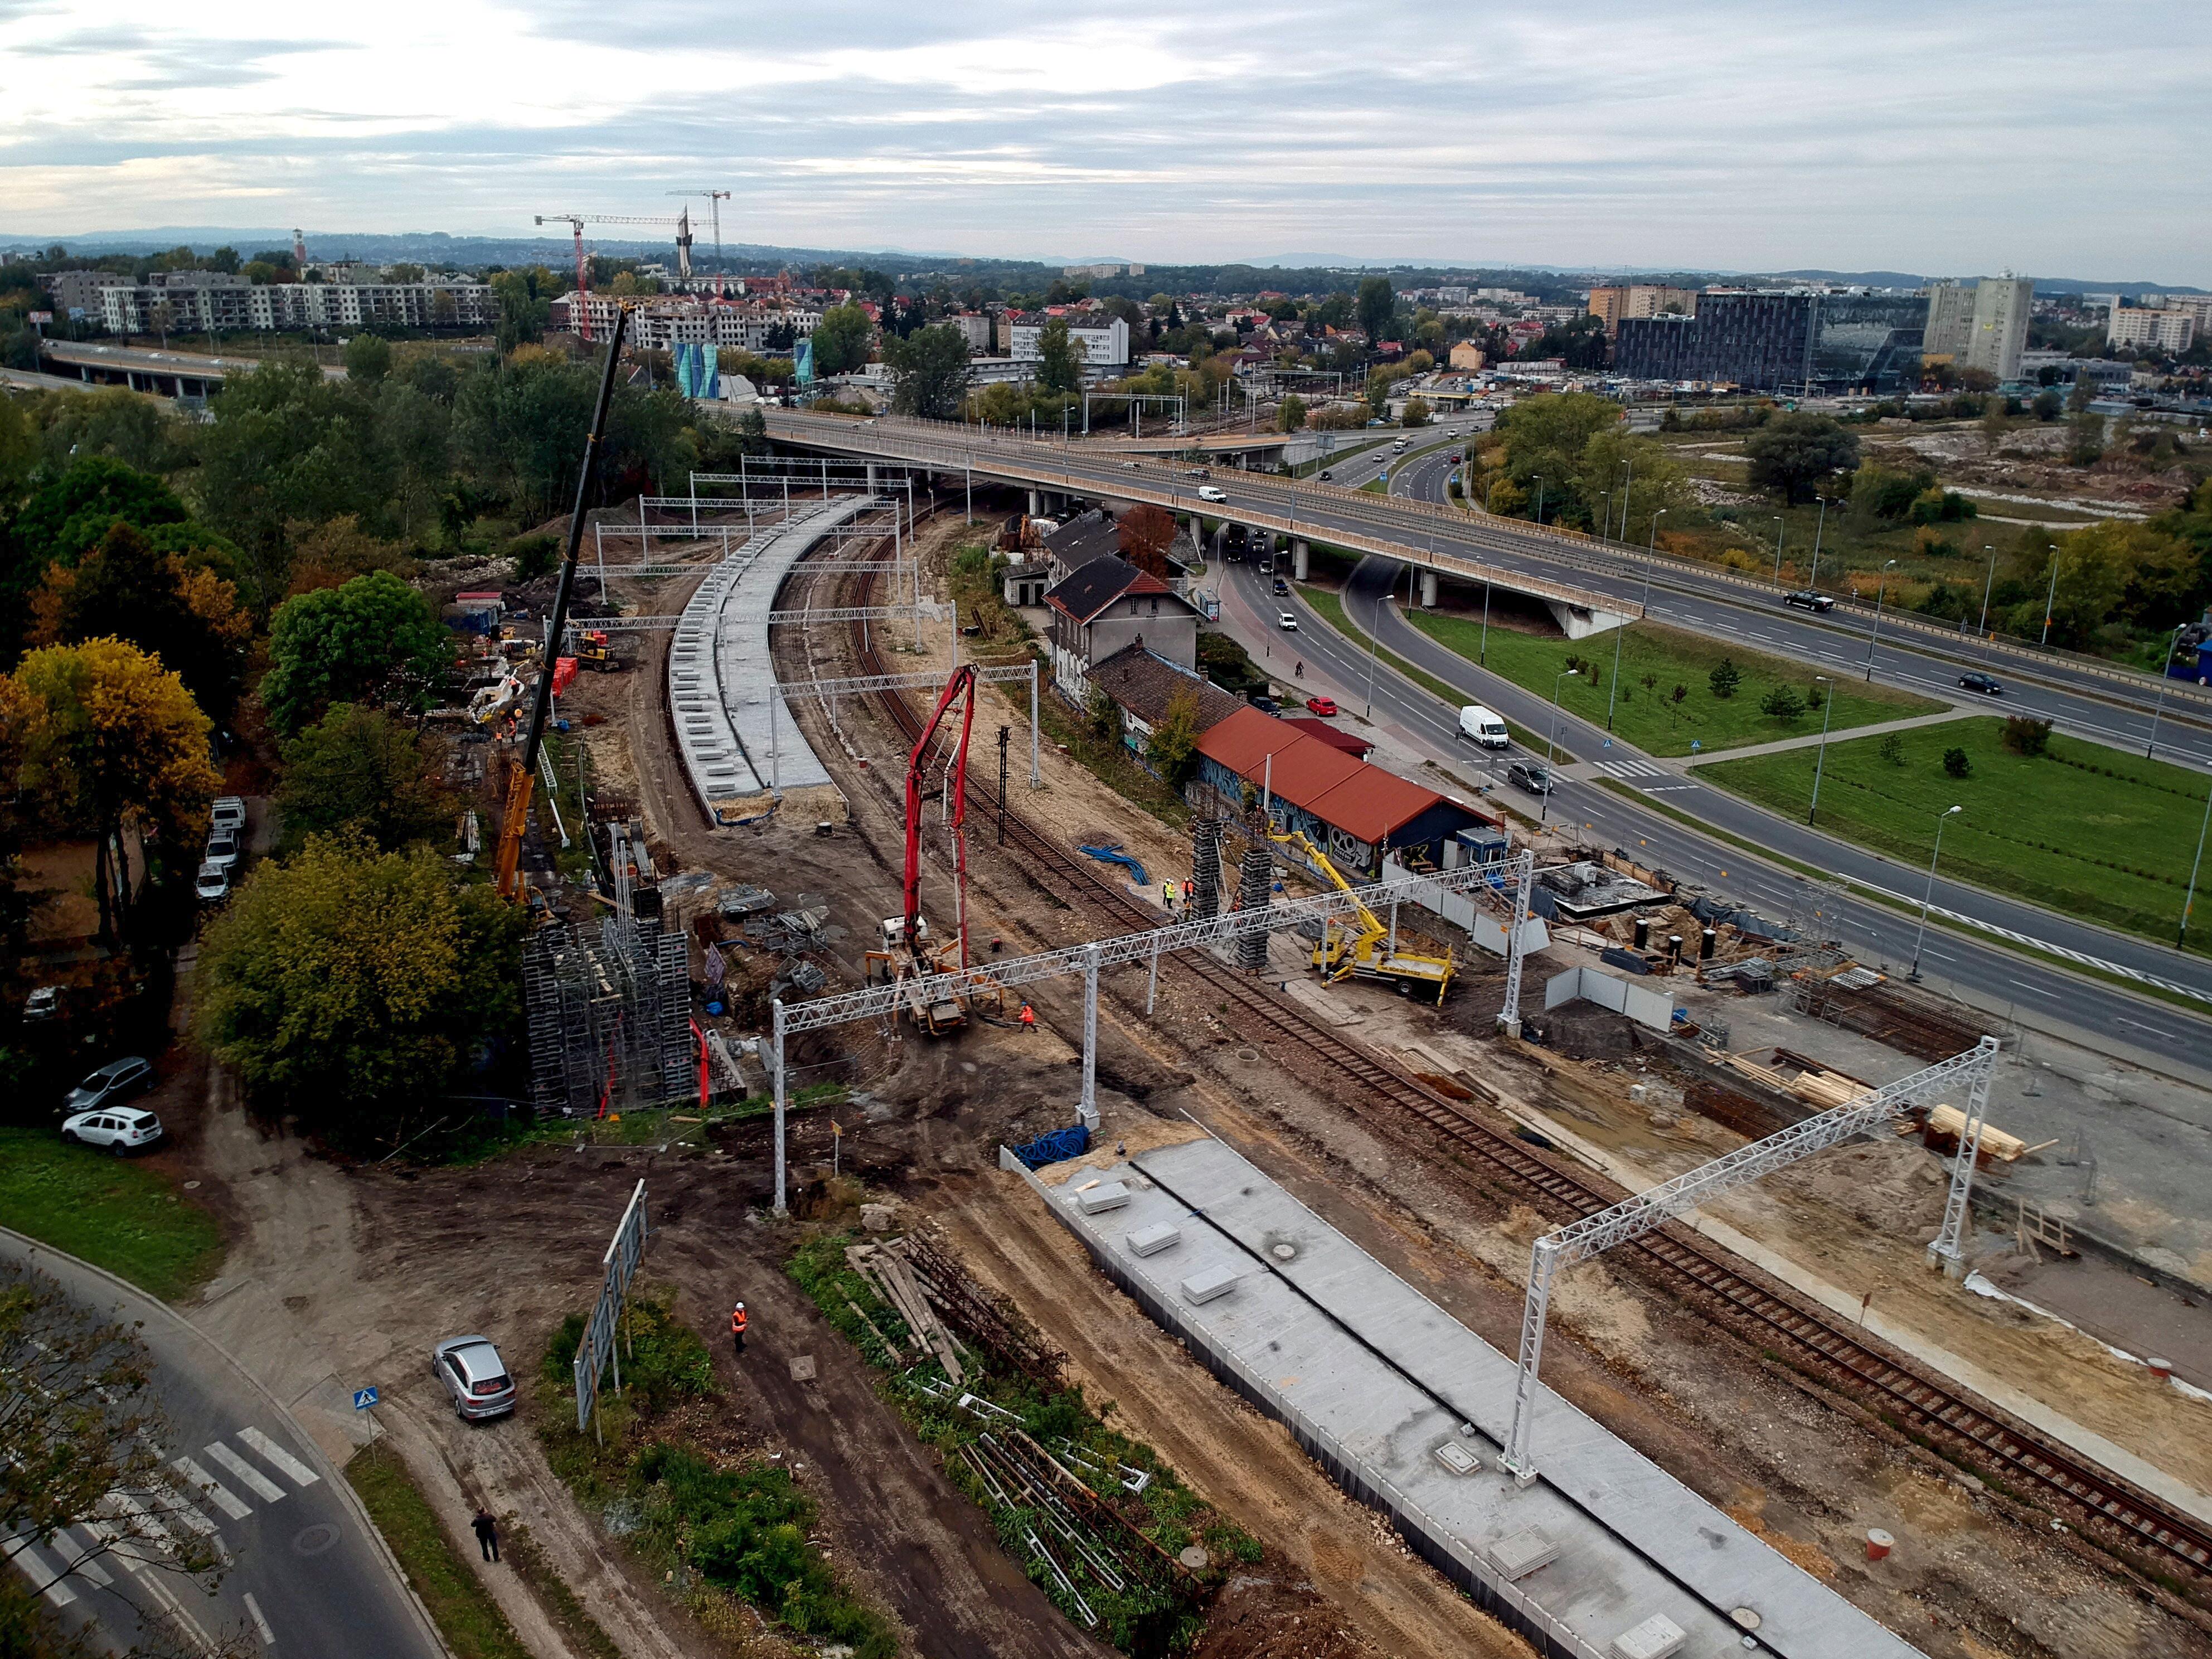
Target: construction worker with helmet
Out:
[737,1328]
[1028,1017]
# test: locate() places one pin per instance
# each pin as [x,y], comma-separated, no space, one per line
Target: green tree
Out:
[524,307]
[2086,439]
[1783,703]
[2047,405]
[1290,416]
[353,987]
[127,589]
[1957,763]
[841,339]
[1793,452]
[358,771]
[1417,412]
[752,430]
[1550,437]
[929,372]
[1725,678]
[110,740]
[71,513]
[1376,305]
[1060,357]
[1892,749]
[367,359]
[374,640]
[1172,749]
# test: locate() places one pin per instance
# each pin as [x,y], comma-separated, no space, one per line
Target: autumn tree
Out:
[357,770]
[1172,749]
[126,589]
[374,640]
[110,740]
[1145,534]
[353,987]
[332,553]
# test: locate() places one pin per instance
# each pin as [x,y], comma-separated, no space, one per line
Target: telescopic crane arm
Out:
[506,866]
[962,685]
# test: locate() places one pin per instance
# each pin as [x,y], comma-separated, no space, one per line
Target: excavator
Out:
[1364,947]
[908,957]
[507,863]
[596,651]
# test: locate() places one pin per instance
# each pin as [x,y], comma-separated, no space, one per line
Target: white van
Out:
[1478,725]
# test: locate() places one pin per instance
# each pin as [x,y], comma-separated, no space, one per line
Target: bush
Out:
[533,555]
[2026,736]
[1892,749]
[1781,703]
[1956,763]
[1725,678]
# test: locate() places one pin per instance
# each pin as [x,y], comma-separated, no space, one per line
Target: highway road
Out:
[307,1576]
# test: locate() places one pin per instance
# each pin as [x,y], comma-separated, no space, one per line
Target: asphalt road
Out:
[2045,995]
[306,1576]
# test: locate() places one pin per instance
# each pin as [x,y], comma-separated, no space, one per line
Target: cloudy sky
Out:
[2057,138]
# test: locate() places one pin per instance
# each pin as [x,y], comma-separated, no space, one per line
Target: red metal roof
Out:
[1335,736]
[1246,738]
[1360,800]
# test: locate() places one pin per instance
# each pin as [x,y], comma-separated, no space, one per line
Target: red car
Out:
[1322,706]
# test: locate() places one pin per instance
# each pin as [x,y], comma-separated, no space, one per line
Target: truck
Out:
[2191,659]
[1363,947]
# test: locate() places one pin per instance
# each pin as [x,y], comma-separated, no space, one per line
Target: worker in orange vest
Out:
[737,1327]
[1028,1017]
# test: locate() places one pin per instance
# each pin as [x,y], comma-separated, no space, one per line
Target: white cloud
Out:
[1739,134]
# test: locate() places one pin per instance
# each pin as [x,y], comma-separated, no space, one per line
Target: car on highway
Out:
[475,1377]
[1209,493]
[1533,776]
[1286,621]
[1282,585]
[1324,707]
[1128,466]
[122,1131]
[110,1085]
[1326,473]
[1987,684]
[212,885]
[1478,725]
[1806,598]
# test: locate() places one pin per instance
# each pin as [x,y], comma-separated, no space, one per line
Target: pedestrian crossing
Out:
[150,1525]
[1632,769]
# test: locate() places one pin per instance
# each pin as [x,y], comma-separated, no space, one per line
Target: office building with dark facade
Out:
[1761,341]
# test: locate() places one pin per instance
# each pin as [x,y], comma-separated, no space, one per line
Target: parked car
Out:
[110,1085]
[1209,493]
[222,852]
[475,1377]
[1324,707]
[44,1003]
[1282,585]
[228,817]
[1975,680]
[1286,621]
[1806,598]
[122,1131]
[1266,705]
[1533,776]
[213,885]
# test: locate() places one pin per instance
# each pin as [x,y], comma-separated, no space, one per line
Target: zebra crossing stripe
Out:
[83,1563]
[32,1565]
[255,1482]
[301,1475]
[211,1489]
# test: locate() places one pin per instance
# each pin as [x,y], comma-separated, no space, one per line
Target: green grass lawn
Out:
[2084,829]
[465,1614]
[113,1213]
[1649,717]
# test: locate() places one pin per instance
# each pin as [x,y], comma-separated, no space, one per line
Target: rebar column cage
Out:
[1579,1241]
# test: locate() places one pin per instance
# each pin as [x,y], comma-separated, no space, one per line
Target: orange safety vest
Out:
[1029,1016]
[738,1320]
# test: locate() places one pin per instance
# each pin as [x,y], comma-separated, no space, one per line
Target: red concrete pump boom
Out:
[962,685]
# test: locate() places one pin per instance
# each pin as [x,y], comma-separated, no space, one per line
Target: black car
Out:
[1806,598]
[1281,587]
[1533,776]
[1984,684]
[1326,473]
[1266,705]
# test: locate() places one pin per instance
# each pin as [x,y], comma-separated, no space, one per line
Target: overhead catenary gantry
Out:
[876,1002]
[1631,1218]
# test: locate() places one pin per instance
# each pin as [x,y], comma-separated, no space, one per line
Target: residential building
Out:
[1611,305]
[663,320]
[1983,326]
[1143,684]
[1950,321]
[1087,536]
[76,293]
[186,302]
[975,328]
[2168,329]
[1761,341]
[1105,344]
[1108,606]
[1466,354]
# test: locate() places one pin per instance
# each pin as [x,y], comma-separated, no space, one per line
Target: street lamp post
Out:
[1540,499]
[1552,744]
[2189,899]
[1988,582]
[1780,525]
[1819,528]
[1874,638]
[1619,632]
[1929,895]
[1626,489]
[1482,653]
[2165,674]
[2050,599]
[1820,759]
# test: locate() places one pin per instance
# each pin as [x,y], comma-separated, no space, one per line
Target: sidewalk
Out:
[1957,712]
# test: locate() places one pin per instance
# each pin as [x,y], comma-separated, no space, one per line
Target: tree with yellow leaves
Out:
[126,588]
[110,741]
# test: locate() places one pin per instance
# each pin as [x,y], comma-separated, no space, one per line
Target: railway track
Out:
[2151,1535]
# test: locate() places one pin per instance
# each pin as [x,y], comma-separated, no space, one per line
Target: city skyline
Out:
[1763,139]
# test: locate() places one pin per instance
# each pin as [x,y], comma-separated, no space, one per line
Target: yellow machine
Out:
[1365,947]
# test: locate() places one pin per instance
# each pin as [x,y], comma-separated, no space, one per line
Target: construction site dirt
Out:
[512,1246]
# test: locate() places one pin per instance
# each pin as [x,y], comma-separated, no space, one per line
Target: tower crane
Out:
[714,200]
[576,221]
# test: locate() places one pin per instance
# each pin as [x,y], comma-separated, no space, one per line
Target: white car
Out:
[1286,621]
[214,883]
[44,1003]
[121,1129]
[1209,493]
[1128,466]
[227,816]
[222,852]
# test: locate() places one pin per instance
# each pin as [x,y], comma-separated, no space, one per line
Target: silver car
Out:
[121,1130]
[475,1376]
[111,1086]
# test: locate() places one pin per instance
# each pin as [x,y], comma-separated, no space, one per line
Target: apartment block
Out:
[1611,305]
[676,320]
[2170,328]
[187,302]
[1105,345]
[1982,327]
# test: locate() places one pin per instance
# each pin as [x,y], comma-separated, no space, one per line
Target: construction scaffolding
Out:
[610,1008]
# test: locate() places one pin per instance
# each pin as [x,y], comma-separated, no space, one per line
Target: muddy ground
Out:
[374,1266]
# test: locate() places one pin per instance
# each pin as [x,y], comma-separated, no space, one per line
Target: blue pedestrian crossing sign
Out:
[363,1399]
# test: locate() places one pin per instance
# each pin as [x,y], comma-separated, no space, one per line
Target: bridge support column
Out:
[1428,590]
[1300,553]
[871,477]
[1037,505]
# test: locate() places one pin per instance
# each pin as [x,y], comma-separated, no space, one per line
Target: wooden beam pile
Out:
[892,1277]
